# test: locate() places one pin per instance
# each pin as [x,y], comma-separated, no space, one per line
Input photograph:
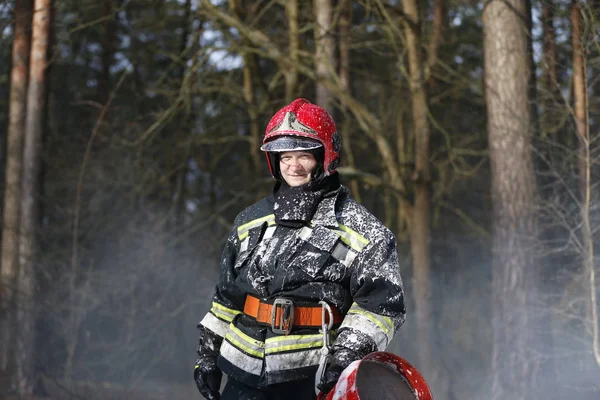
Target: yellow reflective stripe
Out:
[299,346]
[245,337]
[247,349]
[347,240]
[300,337]
[352,238]
[244,229]
[385,323]
[251,344]
[292,342]
[292,337]
[355,234]
[243,235]
[295,342]
[223,312]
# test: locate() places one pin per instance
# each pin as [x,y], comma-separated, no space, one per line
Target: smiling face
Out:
[296,167]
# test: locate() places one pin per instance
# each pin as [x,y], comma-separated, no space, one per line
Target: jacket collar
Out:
[326,210]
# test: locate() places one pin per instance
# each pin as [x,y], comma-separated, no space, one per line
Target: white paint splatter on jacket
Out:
[345,256]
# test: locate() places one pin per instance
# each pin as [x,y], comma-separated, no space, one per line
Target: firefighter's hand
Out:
[342,357]
[208,376]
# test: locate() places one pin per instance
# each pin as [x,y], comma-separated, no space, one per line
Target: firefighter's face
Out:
[296,167]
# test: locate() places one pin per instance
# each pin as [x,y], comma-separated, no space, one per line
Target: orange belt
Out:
[282,315]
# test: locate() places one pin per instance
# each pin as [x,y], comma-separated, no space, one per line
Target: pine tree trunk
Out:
[32,156]
[12,191]
[345,21]
[324,51]
[546,163]
[507,75]
[420,218]
[344,74]
[291,75]
[252,109]
[178,180]
[550,118]
[552,111]
[246,12]
[533,109]
[437,32]
[580,97]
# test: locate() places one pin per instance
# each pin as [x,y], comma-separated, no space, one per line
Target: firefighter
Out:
[308,276]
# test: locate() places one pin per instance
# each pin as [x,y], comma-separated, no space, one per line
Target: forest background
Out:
[130,134]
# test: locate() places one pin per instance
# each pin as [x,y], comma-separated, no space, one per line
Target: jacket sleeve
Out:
[228,300]
[378,308]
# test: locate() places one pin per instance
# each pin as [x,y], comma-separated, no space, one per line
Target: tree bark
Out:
[178,180]
[32,157]
[324,52]
[550,89]
[552,109]
[252,109]
[291,74]
[14,163]
[437,31]
[247,12]
[580,97]
[534,115]
[344,74]
[420,218]
[507,75]
[345,21]
[546,163]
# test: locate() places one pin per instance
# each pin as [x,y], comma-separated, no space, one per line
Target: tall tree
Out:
[437,32]
[30,213]
[344,39]
[324,51]
[14,160]
[580,97]
[513,189]
[291,73]
[550,94]
[188,58]
[419,225]
[247,12]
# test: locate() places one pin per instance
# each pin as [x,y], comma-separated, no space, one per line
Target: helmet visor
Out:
[291,143]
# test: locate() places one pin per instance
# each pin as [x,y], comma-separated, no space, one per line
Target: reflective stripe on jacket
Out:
[345,256]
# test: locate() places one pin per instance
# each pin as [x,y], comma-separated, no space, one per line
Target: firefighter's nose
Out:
[295,164]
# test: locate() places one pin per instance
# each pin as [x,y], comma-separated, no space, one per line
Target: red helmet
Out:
[298,121]
[380,375]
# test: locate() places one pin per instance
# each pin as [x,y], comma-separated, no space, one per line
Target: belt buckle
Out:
[286,317]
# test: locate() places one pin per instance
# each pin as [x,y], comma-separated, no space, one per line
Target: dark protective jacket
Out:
[345,256]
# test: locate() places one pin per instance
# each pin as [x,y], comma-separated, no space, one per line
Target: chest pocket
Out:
[314,253]
[251,234]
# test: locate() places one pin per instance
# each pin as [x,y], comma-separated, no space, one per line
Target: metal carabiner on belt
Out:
[326,349]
